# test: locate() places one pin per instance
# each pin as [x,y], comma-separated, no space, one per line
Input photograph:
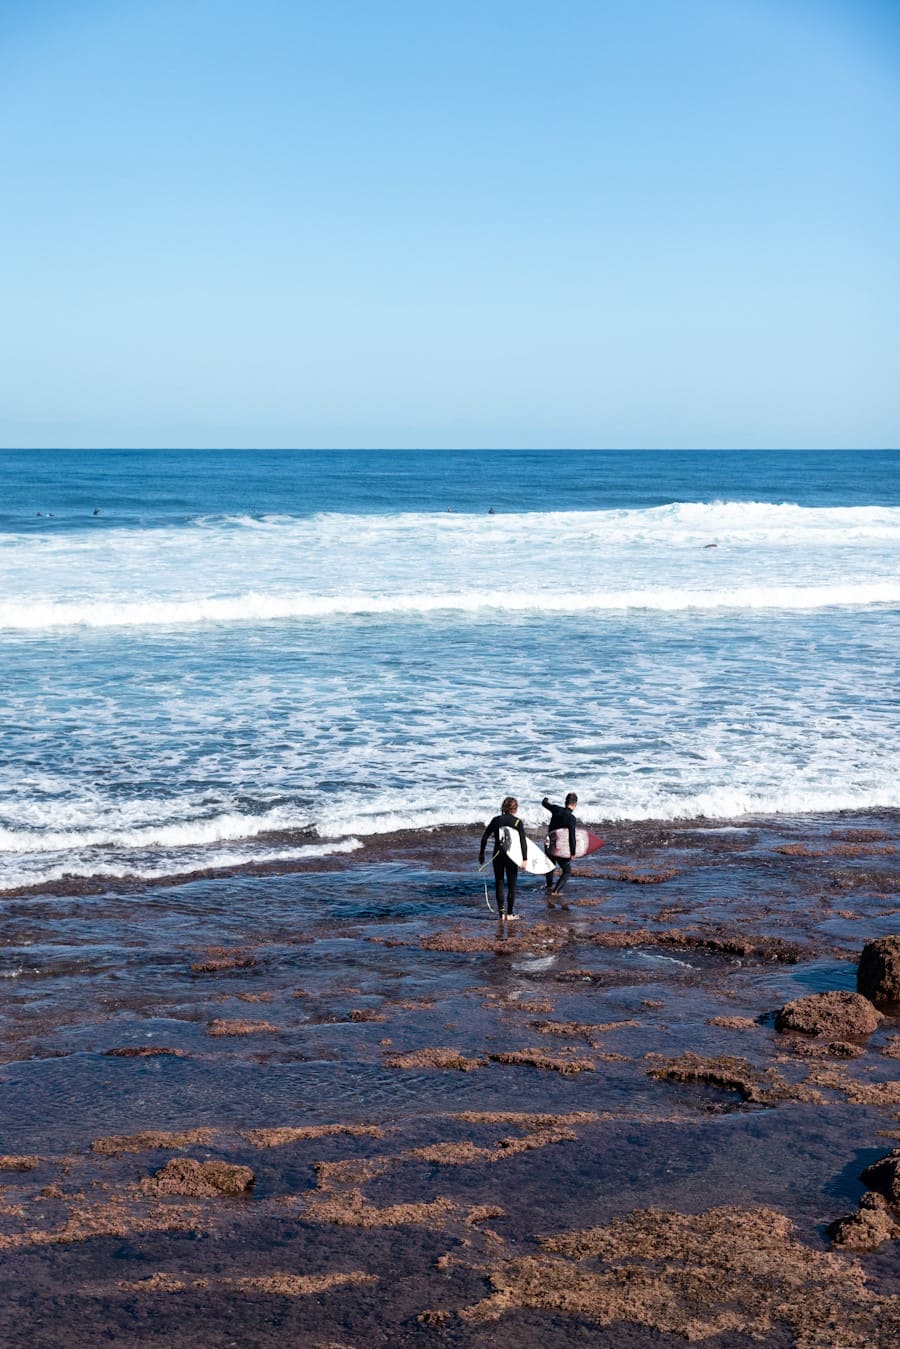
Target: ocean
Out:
[225,660]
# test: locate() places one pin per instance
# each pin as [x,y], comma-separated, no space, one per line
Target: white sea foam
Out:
[156,834]
[610,802]
[138,868]
[604,797]
[251,681]
[679,522]
[256,608]
[534,964]
[737,555]
[655,958]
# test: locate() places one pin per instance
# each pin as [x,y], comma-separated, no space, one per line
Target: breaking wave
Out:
[258,608]
[135,868]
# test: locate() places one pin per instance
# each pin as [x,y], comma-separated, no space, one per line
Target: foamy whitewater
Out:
[194,679]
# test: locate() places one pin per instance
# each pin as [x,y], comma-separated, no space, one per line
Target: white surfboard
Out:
[536,862]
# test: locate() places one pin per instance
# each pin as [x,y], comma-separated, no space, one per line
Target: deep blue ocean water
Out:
[245,656]
[158,487]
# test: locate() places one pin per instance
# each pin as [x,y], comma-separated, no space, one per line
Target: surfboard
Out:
[535,862]
[585,842]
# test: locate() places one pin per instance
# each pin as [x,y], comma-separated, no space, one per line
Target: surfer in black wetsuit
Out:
[505,868]
[561,818]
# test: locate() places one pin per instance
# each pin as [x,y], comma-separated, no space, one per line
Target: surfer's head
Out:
[571,799]
[510,806]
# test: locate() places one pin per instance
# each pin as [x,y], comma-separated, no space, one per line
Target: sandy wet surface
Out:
[587,1132]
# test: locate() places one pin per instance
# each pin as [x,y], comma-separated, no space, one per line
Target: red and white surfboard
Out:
[557,843]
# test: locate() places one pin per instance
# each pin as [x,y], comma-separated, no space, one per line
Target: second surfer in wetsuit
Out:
[562,818]
[505,868]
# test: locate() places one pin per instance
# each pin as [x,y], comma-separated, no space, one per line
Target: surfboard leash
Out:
[487,901]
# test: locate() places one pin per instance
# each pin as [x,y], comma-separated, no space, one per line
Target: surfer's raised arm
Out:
[562,821]
[563,818]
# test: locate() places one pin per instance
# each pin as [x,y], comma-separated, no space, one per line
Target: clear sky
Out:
[450,223]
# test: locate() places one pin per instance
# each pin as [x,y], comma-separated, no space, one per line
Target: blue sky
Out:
[452,223]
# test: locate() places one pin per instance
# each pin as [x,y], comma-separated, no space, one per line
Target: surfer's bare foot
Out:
[512,917]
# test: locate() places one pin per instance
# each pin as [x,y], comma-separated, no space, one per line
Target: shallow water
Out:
[367,959]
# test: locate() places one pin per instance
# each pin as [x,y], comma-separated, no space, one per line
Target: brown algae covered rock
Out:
[834,1077]
[152,1140]
[278,1137]
[836,1014]
[351,1209]
[298,1285]
[726,1272]
[198,1180]
[224,1027]
[536,1058]
[878,973]
[143,1052]
[756,1086]
[872,1224]
[442,1059]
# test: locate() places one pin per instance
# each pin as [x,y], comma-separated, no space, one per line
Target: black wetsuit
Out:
[505,868]
[560,818]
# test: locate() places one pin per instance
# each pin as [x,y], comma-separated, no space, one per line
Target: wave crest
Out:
[253,607]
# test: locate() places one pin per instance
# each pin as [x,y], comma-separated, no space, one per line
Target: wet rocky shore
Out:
[333,1106]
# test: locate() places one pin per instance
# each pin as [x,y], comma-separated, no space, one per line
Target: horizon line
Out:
[453,449]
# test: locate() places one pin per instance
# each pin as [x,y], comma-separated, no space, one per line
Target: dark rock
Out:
[884,1176]
[835,1014]
[878,974]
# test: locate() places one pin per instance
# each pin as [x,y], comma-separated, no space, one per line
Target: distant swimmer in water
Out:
[96,510]
[492,511]
[505,869]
